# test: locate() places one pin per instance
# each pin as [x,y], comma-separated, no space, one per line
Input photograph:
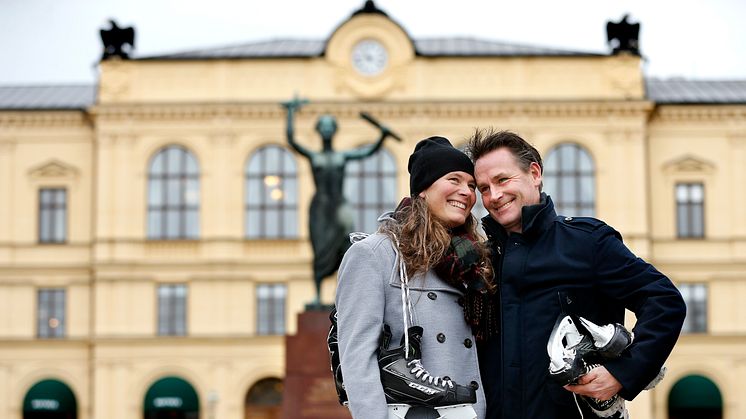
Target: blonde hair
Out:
[423,240]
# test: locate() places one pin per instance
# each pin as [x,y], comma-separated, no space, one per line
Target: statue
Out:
[626,35]
[115,39]
[330,216]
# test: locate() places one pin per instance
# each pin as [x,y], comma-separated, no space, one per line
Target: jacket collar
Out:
[535,219]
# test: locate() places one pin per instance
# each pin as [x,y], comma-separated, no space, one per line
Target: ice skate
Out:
[333,346]
[574,350]
[406,382]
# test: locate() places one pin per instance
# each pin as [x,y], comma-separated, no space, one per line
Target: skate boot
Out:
[406,383]
[333,346]
[574,351]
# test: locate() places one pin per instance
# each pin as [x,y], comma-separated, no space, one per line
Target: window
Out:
[370,188]
[51,306]
[271,195]
[52,215]
[173,195]
[270,307]
[695,297]
[569,178]
[690,213]
[172,310]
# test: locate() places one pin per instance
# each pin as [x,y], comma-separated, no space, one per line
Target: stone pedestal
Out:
[309,388]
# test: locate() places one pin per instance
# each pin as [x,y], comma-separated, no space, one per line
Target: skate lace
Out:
[421,373]
[405,298]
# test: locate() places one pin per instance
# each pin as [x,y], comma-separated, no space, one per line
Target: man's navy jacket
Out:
[570,265]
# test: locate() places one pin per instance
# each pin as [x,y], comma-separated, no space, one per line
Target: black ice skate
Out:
[406,383]
[333,346]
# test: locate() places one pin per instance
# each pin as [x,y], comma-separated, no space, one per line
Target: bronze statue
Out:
[330,216]
[626,35]
[114,41]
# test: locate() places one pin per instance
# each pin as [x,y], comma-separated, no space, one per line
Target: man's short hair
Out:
[486,140]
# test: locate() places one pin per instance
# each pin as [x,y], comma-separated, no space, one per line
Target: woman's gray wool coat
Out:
[369,295]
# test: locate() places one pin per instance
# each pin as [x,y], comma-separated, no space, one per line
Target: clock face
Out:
[369,57]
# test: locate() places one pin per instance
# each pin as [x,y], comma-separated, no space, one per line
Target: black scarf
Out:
[461,268]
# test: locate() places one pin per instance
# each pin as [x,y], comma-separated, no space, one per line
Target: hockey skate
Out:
[333,346]
[576,349]
[407,383]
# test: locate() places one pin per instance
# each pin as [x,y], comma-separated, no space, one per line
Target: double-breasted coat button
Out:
[441,337]
[467,342]
[474,385]
[431,295]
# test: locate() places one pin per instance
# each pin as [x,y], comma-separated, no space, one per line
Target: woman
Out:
[449,281]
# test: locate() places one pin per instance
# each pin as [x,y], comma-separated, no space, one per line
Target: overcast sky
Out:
[57,41]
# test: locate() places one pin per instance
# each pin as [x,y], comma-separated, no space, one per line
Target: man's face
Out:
[506,188]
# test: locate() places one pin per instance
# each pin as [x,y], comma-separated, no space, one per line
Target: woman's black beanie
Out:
[432,158]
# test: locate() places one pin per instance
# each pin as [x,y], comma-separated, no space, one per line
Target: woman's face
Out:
[451,198]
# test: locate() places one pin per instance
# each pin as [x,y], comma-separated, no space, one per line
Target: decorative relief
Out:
[54,169]
[267,111]
[733,114]
[689,164]
[43,119]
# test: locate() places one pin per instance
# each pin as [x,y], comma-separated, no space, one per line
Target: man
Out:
[548,265]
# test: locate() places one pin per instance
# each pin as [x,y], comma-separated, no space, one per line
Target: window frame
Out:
[48,212]
[181,210]
[574,177]
[689,206]
[169,326]
[267,324]
[264,210]
[695,307]
[56,295]
[356,174]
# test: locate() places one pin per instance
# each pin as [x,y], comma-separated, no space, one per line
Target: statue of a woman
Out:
[330,216]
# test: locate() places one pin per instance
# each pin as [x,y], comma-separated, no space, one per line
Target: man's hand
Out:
[598,383]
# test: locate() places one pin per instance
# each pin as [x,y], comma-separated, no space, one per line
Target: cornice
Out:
[264,111]
[699,113]
[34,119]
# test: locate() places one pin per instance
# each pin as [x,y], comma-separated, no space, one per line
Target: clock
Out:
[369,57]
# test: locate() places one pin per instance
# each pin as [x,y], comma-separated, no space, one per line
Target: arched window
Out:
[569,178]
[173,195]
[264,399]
[271,195]
[370,188]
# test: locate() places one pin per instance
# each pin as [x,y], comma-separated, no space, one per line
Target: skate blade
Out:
[398,411]
[460,411]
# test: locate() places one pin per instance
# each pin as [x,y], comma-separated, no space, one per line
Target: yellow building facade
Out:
[130,261]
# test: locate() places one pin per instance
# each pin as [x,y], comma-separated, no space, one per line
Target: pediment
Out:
[54,169]
[689,164]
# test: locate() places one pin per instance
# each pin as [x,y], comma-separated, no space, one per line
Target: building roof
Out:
[47,97]
[683,91]
[430,47]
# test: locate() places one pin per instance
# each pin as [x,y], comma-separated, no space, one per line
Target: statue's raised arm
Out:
[292,106]
[330,216]
[370,149]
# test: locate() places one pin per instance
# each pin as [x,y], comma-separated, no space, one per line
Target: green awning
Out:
[172,393]
[50,396]
[695,392]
